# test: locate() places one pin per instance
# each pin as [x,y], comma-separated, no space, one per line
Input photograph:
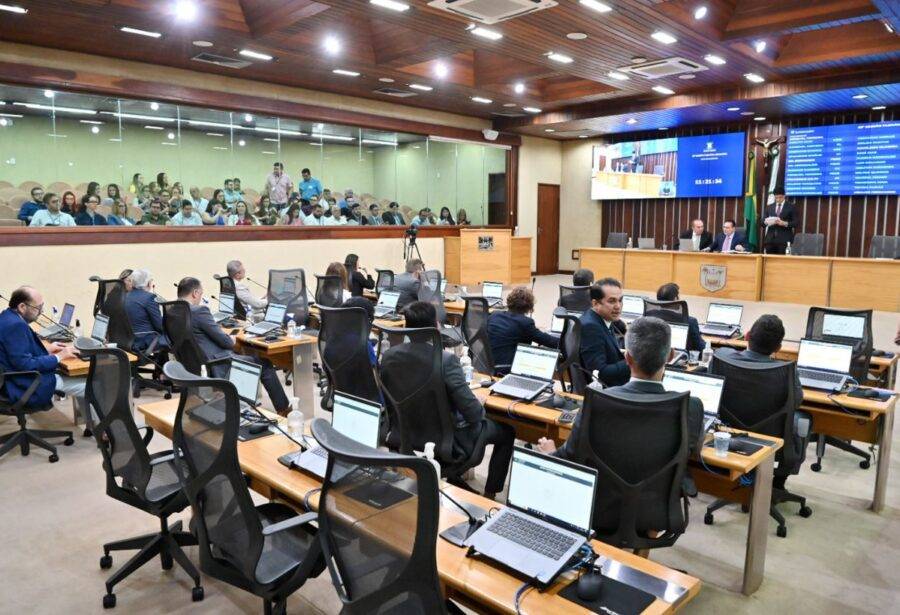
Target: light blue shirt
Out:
[233,196]
[310,189]
[43,217]
[193,220]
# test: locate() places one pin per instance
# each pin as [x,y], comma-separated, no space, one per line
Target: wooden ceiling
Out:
[809,45]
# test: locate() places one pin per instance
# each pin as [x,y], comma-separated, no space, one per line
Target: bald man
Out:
[699,236]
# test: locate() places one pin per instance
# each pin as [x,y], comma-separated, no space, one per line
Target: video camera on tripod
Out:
[410,247]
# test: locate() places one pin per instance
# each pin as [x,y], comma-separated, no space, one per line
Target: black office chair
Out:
[267,550]
[133,475]
[760,397]
[288,287]
[430,292]
[475,333]
[616,240]
[639,445]
[146,370]
[569,365]
[384,281]
[344,348]
[808,244]
[574,298]
[329,291]
[884,246]
[184,346]
[670,311]
[227,286]
[24,437]
[381,560]
[859,370]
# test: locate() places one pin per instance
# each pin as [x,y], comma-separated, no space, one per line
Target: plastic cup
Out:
[721,439]
[707,354]
[695,356]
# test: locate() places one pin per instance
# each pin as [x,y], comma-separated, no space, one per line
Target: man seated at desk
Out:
[701,238]
[671,292]
[144,313]
[407,284]
[216,344]
[235,270]
[507,329]
[729,239]
[600,326]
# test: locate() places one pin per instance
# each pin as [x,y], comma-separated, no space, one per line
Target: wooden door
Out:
[548,229]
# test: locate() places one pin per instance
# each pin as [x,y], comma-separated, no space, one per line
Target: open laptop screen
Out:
[245,378]
[839,325]
[825,355]
[66,317]
[443,286]
[275,313]
[226,303]
[552,489]
[492,290]
[101,324]
[357,419]
[556,324]
[725,314]
[632,304]
[708,389]
[388,298]
[534,361]
[679,336]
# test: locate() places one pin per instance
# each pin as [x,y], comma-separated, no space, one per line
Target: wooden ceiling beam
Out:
[498,69]
[852,41]
[266,16]
[753,18]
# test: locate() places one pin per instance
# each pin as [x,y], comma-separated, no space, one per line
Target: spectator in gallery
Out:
[334,217]
[155,214]
[88,215]
[265,213]
[119,215]
[446,217]
[317,217]
[93,188]
[231,196]
[355,217]
[145,197]
[113,196]
[187,216]
[200,204]
[425,218]
[393,215]
[154,189]
[278,186]
[162,180]
[310,188]
[241,216]
[218,209]
[51,215]
[237,187]
[374,217]
[69,203]
[462,219]
[305,206]
[137,184]
[28,208]
[293,216]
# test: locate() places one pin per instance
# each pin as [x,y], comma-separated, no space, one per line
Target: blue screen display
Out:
[846,159]
[711,165]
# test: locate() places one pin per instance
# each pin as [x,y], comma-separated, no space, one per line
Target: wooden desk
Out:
[715,475]
[487,254]
[472,580]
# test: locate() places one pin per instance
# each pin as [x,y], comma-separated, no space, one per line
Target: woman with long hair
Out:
[162,180]
[265,213]
[113,196]
[446,217]
[92,189]
[462,219]
[218,210]
[137,183]
[358,277]
[337,269]
[119,215]
[293,216]
[69,203]
[241,216]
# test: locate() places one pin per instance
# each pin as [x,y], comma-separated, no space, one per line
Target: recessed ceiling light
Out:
[509,104]
[4,121]
[491,35]
[57,109]
[879,108]
[860,96]
[638,59]
[614,74]
[576,36]
[597,6]
[582,136]
[759,118]
[753,77]
[663,37]
[700,12]
[760,46]
[170,136]
[531,109]
[390,4]
[483,101]
[663,128]
[733,109]
[746,112]
[202,44]
[95,129]
[661,89]
[519,88]
[687,76]
[255,55]
[631,120]
[346,73]
[549,130]
[148,127]
[49,94]
[441,70]
[139,32]
[271,140]
[214,134]
[888,26]
[89,122]
[332,45]
[154,106]
[242,143]
[185,10]
[420,87]
[714,59]
[13,8]
[385,80]
[559,57]
[248,117]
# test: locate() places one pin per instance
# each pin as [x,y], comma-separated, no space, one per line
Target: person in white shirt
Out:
[317,217]
[336,219]
[425,218]
[51,216]
[238,273]
[186,216]
[200,204]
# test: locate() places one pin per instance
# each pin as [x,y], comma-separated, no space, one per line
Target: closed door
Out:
[548,229]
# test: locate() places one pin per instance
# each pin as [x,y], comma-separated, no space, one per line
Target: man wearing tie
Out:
[779,222]
[599,347]
[729,239]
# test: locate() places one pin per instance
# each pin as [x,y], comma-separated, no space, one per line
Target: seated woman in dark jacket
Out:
[359,280]
[508,329]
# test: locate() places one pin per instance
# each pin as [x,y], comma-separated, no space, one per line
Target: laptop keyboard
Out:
[531,535]
[519,386]
[820,376]
[710,327]
[320,452]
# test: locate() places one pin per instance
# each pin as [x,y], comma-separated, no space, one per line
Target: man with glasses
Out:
[88,215]
[29,208]
[51,215]
[155,215]
[21,350]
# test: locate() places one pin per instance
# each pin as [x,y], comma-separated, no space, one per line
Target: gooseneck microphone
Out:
[249,279]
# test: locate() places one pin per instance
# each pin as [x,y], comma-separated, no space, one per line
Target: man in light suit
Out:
[216,344]
[729,239]
[778,223]
[393,215]
[599,346]
[408,283]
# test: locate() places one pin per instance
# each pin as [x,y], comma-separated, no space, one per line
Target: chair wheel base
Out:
[109,601]
[805,512]
[781,532]
[53,458]
[865,464]
[708,519]
[815,467]
[69,441]
[167,396]
[106,562]
[197,594]
[87,433]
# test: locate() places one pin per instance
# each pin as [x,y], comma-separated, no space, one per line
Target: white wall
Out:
[540,162]
[579,215]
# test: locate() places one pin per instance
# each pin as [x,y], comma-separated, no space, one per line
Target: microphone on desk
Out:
[65,331]
[533,281]
[249,279]
[459,533]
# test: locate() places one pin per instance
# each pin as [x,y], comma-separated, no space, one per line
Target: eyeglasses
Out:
[39,308]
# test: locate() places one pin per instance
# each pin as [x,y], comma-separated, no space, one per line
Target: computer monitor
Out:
[552,489]
[534,361]
[829,356]
[389,298]
[705,387]
[632,305]
[724,313]
[275,313]
[356,418]
[443,286]
[841,325]
[226,303]
[492,290]
[65,319]
[679,336]
[245,378]
[101,324]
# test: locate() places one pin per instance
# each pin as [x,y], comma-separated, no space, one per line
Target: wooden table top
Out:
[476,578]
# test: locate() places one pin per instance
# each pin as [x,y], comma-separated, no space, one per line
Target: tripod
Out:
[410,249]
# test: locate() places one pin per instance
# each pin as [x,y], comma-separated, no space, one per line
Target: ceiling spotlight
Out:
[139,32]
[385,80]
[255,55]
[170,136]
[759,118]
[663,128]
[531,109]
[441,70]
[582,136]
[638,59]
[714,59]
[242,143]
[509,104]
[661,89]
[760,46]
[559,57]
[148,127]
[95,129]
[13,9]
[332,45]
[491,35]
[631,121]
[49,94]
[860,96]
[746,112]
[663,37]
[614,74]
[4,121]
[687,76]
[202,44]
[879,108]
[733,109]
[154,106]
[483,101]
[185,10]
[597,6]
[346,73]
[576,36]
[549,130]
[700,12]
[420,87]
[888,26]
[519,88]
[753,77]
[391,4]
[248,117]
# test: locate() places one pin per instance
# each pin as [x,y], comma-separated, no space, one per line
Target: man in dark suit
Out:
[647,350]
[471,425]
[507,329]
[778,223]
[581,278]
[671,292]
[599,345]
[144,313]
[393,215]
[408,284]
[217,344]
[729,239]
[701,238]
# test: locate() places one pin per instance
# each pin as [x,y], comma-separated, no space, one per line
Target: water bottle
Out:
[77,328]
[428,454]
[629,245]
[291,327]
[787,249]
[466,363]
[295,419]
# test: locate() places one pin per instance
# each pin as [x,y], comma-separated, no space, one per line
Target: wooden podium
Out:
[487,254]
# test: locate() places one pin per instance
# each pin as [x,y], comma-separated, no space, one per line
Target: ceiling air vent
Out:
[394,92]
[211,58]
[491,11]
[664,68]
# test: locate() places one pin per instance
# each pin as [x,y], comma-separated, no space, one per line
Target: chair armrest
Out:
[164,458]
[218,361]
[289,523]
[35,381]
[147,436]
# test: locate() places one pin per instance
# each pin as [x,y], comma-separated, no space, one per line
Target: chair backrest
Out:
[382,560]
[616,240]
[430,292]
[411,377]
[227,286]
[288,287]
[570,354]
[862,347]
[183,344]
[638,443]
[344,348]
[884,246]
[574,298]
[110,301]
[384,281]
[670,311]
[475,333]
[329,291]
[808,244]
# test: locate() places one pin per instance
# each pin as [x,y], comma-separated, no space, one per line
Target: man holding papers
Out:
[779,222]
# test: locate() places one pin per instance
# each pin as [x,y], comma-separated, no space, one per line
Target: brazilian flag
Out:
[751,222]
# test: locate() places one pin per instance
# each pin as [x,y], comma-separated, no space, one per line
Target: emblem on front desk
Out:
[712,277]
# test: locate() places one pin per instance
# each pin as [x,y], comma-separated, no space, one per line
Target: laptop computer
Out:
[531,373]
[843,326]
[493,292]
[824,365]
[679,342]
[646,243]
[686,245]
[632,307]
[65,320]
[101,325]
[273,319]
[547,518]
[444,292]
[722,319]
[705,387]
[387,303]
[245,377]
[226,308]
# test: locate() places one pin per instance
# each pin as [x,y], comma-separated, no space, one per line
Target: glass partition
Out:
[144,151]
